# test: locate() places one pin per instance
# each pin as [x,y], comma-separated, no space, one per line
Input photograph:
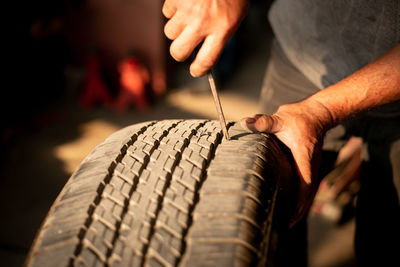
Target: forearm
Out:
[301,126]
[376,84]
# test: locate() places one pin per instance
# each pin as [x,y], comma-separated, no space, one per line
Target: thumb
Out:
[261,123]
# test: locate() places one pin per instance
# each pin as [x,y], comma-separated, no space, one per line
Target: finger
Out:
[174,27]
[262,123]
[185,43]
[207,56]
[244,121]
[168,9]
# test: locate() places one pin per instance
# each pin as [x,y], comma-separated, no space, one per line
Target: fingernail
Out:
[243,123]
[248,124]
[250,120]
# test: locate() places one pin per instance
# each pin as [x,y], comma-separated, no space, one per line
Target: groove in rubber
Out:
[101,234]
[61,231]
[168,197]
[231,216]
[168,244]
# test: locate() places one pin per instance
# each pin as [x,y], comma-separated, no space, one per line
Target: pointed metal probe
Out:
[218,105]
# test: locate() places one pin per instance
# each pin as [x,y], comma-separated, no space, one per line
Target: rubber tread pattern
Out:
[175,194]
[167,245]
[235,201]
[59,235]
[126,181]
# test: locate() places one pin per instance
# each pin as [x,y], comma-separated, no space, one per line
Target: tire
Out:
[168,193]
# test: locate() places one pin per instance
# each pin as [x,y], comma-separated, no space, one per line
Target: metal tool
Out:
[218,105]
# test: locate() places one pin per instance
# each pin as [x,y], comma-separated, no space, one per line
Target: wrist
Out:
[319,114]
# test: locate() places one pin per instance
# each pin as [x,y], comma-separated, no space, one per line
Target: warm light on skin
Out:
[301,126]
[210,22]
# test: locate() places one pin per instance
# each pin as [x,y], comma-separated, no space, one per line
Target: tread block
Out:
[69,209]
[79,188]
[59,254]
[166,193]
[219,254]
[58,233]
[222,226]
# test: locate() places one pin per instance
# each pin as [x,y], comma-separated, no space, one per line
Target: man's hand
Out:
[191,22]
[300,127]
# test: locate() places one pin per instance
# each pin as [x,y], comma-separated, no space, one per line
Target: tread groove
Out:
[209,233]
[178,158]
[145,162]
[122,200]
[197,196]
[198,173]
[169,193]
[99,191]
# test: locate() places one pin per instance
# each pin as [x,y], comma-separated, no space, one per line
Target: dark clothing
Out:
[329,40]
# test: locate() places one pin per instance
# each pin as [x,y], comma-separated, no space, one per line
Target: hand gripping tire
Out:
[168,193]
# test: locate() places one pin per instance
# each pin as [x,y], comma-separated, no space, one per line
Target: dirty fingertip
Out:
[250,120]
[245,123]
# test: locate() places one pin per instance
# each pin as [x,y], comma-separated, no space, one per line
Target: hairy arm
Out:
[374,85]
[301,126]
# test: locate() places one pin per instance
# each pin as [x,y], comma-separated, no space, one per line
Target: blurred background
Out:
[79,70]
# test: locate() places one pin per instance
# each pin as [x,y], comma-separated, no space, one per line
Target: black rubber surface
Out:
[167,193]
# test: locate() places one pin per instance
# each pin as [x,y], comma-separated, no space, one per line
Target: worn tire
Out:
[167,193]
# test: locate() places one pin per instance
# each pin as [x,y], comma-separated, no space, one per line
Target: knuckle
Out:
[227,24]
[265,123]
[262,121]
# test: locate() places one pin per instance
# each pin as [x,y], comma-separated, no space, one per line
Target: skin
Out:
[210,22]
[300,126]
